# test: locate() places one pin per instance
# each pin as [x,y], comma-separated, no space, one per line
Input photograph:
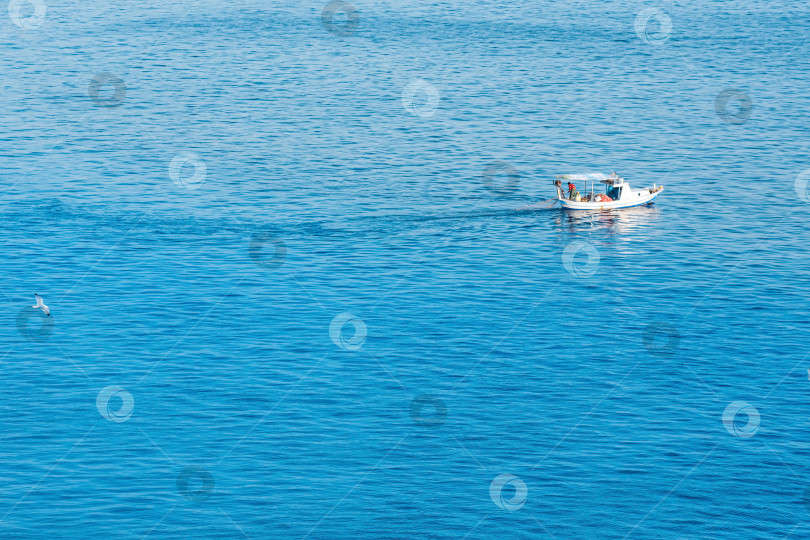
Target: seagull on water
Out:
[41,304]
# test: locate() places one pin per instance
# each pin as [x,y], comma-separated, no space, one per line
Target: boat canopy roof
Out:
[593,177]
[587,176]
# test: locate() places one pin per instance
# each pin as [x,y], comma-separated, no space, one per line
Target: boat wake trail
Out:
[45,215]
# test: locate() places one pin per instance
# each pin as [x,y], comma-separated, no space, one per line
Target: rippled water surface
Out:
[289,301]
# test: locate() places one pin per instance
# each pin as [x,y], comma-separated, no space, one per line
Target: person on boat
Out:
[572,191]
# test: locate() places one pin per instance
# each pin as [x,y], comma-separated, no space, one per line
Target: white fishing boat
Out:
[617,192]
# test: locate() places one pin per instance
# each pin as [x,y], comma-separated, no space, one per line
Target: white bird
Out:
[42,305]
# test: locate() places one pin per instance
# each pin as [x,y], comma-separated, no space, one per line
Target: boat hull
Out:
[609,205]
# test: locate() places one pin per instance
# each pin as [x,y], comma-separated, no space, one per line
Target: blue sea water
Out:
[291,297]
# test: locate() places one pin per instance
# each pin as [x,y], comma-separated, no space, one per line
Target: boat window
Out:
[613,193]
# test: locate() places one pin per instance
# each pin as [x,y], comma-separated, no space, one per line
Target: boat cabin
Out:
[616,189]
